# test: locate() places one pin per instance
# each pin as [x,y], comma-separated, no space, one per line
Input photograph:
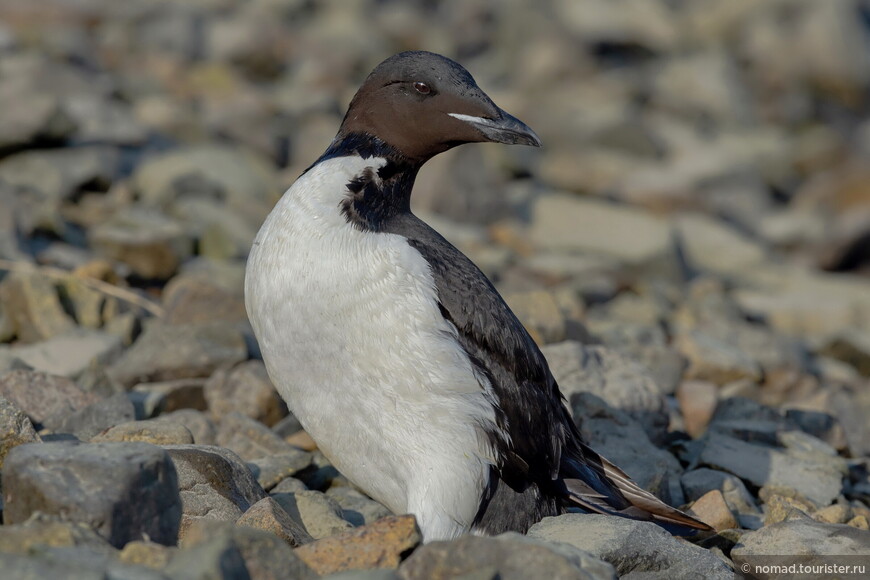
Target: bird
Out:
[395,352]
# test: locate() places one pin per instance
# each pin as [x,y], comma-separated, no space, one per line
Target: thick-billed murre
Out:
[395,352]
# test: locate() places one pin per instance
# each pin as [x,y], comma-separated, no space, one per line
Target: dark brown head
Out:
[421,104]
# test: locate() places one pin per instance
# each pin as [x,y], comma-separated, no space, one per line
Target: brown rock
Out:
[834,514]
[15,428]
[540,314]
[379,545]
[697,401]
[780,508]
[712,509]
[190,299]
[859,522]
[156,431]
[267,515]
[250,439]
[42,395]
[245,388]
[302,440]
[170,396]
[33,304]
[149,554]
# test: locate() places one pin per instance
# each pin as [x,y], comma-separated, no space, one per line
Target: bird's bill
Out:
[505,129]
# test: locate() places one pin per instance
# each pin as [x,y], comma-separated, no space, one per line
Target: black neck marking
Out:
[374,198]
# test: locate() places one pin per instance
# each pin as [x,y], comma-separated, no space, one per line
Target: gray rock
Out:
[698,482]
[715,360]
[270,470]
[15,428]
[165,352]
[851,346]
[321,515]
[167,396]
[357,508]
[245,388]
[623,383]
[221,550]
[214,484]
[202,428]
[251,439]
[817,476]
[539,313]
[58,174]
[708,245]
[509,556]
[42,530]
[126,491]
[42,396]
[198,296]
[97,417]
[150,243]
[623,441]
[268,515]
[33,305]
[634,548]
[155,431]
[27,118]
[289,485]
[71,564]
[70,354]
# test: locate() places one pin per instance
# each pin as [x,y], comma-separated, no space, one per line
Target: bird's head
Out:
[421,104]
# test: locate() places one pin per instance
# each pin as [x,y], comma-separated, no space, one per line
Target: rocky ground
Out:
[690,248]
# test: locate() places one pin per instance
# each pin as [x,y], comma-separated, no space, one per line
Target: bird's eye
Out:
[422,88]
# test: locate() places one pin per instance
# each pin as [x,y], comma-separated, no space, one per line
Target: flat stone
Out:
[245,388]
[214,484]
[378,545]
[621,382]
[357,508]
[268,515]
[155,431]
[41,395]
[631,546]
[270,470]
[509,556]
[711,509]
[165,352]
[251,439]
[834,514]
[68,355]
[150,243]
[321,515]
[214,549]
[33,305]
[126,491]
[709,245]
[97,417]
[15,428]
[817,476]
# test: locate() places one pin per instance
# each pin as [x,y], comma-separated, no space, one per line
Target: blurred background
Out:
[709,152]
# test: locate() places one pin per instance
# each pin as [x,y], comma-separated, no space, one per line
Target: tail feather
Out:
[598,485]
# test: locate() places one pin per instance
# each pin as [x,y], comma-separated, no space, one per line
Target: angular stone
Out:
[540,314]
[245,388]
[701,481]
[200,426]
[214,484]
[268,515]
[166,352]
[711,246]
[697,401]
[145,553]
[69,355]
[154,431]
[803,541]
[714,360]
[97,417]
[42,395]
[711,509]
[27,118]
[271,470]
[167,396]
[150,243]
[250,439]
[126,491]
[780,508]
[509,556]
[321,515]
[15,428]
[45,530]
[621,382]
[32,302]
[192,298]
[357,508]
[631,546]
[378,545]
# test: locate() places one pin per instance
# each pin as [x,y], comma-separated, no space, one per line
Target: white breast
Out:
[353,339]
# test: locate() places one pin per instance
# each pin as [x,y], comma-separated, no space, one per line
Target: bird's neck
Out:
[380,192]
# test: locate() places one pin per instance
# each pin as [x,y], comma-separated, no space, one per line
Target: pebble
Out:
[154,431]
[245,388]
[15,428]
[712,509]
[43,396]
[268,515]
[320,514]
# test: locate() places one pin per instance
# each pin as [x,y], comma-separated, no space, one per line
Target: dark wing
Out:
[543,448]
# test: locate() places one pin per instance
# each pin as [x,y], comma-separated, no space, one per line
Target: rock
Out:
[540,314]
[621,382]
[817,476]
[27,118]
[699,482]
[148,554]
[289,485]
[321,515]
[270,470]
[87,305]
[714,360]
[834,514]
[73,563]
[43,396]
[214,484]
[167,396]
[89,422]
[378,545]
[708,245]
[251,439]
[156,431]
[616,436]
[193,298]
[42,530]
[15,428]
[629,235]
[126,491]
[509,557]
[851,346]
[200,426]
[166,352]
[245,388]
[356,508]
[221,550]
[32,303]
[649,24]
[267,515]
[780,508]
[697,401]
[801,541]
[631,546]
[711,509]
[68,355]
[150,243]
